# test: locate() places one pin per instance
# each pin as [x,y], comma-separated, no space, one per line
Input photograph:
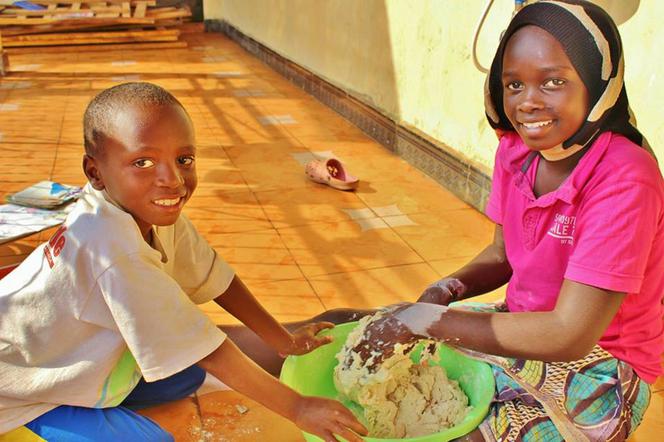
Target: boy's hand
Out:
[305,339]
[325,418]
[443,292]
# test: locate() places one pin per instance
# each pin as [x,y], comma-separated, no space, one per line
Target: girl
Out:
[578,202]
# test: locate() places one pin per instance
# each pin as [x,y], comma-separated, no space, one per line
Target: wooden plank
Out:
[140,9]
[51,8]
[55,12]
[126,9]
[69,2]
[107,24]
[96,47]
[182,12]
[92,21]
[93,35]
[87,41]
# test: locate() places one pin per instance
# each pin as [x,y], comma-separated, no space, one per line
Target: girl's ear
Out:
[92,172]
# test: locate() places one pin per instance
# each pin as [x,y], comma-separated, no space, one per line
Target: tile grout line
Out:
[62,124]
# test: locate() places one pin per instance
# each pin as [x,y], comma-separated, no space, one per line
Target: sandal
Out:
[332,173]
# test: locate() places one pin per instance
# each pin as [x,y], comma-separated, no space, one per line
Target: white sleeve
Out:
[164,330]
[199,270]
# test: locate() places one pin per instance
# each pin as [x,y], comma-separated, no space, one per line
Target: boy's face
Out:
[147,164]
[543,96]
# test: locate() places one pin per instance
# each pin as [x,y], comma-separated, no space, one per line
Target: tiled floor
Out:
[300,247]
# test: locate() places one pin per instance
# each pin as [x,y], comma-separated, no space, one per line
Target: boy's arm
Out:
[322,417]
[489,270]
[239,302]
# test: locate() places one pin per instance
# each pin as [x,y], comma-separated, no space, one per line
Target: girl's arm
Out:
[567,333]
[489,270]
[322,417]
[239,302]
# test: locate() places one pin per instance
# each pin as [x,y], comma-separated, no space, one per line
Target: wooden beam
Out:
[140,9]
[60,39]
[96,47]
[51,8]
[93,35]
[107,25]
[65,22]
[126,9]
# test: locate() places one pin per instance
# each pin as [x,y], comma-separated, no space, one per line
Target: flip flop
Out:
[332,173]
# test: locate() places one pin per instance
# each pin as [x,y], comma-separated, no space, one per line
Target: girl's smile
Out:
[536,129]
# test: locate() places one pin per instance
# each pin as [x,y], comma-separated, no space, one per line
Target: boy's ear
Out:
[92,172]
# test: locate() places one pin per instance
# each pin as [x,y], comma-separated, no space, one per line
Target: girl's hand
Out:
[305,339]
[325,418]
[381,335]
[443,292]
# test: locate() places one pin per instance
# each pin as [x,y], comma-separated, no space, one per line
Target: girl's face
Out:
[543,95]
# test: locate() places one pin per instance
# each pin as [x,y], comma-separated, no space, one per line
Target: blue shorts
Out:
[79,424]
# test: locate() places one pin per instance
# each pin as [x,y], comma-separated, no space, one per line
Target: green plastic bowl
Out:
[311,375]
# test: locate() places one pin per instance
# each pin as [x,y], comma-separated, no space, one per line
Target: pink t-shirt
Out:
[604,227]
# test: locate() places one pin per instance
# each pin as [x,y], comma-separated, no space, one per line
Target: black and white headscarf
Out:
[591,40]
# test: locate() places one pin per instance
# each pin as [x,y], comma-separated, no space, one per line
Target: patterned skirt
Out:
[597,398]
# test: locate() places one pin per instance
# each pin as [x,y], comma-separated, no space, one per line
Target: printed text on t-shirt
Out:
[55,245]
[563,228]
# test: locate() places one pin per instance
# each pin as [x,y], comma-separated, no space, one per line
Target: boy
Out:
[110,298]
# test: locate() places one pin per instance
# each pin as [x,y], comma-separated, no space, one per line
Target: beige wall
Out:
[411,59]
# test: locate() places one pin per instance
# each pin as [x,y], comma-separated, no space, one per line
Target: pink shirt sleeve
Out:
[615,230]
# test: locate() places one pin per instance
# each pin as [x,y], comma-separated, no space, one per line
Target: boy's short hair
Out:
[98,117]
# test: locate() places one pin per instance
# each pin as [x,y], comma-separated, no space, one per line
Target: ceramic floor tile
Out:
[278,151]
[463,233]
[23,162]
[226,212]
[256,255]
[659,385]
[217,314]
[652,427]
[305,157]
[228,415]
[288,300]
[371,162]
[234,132]
[276,175]
[180,418]
[412,196]
[343,246]
[311,204]
[373,288]
[223,178]
[207,152]
[9,187]
[22,247]
[18,130]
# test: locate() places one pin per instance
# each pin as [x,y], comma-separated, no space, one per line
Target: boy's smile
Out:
[147,164]
[543,96]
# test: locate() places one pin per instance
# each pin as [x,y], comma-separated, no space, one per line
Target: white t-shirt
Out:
[95,308]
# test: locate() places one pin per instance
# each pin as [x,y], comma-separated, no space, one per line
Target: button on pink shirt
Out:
[604,227]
